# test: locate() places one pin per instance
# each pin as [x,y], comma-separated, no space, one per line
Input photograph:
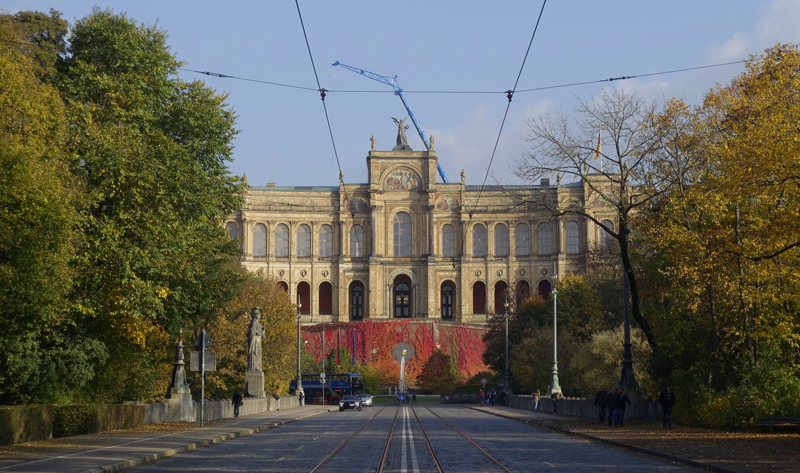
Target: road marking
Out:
[403,460]
[414,462]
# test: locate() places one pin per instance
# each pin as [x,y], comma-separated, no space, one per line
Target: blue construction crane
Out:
[392,81]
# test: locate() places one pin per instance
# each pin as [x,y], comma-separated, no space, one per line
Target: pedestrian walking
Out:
[414,395]
[493,396]
[480,396]
[301,398]
[619,409]
[536,401]
[237,401]
[667,401]
[600,404]
[611,403]
[554,397]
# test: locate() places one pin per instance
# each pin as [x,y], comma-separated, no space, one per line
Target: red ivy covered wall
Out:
[462,342]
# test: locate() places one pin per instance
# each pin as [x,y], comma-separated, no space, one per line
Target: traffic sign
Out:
[210,361]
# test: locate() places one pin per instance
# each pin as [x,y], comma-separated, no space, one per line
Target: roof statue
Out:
[463,176]
[402,140]
[431,148]
[373,141]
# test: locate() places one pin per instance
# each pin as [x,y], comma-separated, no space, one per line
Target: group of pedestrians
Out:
[406,397]
[612,403]
[490,397]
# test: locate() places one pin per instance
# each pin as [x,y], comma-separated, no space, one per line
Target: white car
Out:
[366,399]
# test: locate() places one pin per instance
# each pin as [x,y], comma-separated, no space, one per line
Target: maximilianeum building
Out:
[404,246]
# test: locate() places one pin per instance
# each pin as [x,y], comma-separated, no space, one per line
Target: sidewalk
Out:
[117,450]
[701,448]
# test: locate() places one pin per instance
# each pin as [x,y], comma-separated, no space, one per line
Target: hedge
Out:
[25,424]
[80,419]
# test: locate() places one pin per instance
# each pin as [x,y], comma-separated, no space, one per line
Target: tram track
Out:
[407,435]
[345,441]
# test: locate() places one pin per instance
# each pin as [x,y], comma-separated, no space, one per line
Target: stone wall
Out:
[214,409]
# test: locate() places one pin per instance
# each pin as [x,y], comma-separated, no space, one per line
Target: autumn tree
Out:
[438,374]
[627,173]
[228,332]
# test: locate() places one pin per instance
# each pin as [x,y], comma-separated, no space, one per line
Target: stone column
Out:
[372,226]
[245,238]
[431,245]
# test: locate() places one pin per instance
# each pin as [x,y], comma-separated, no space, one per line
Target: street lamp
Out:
[299,389]
[554,386]
[506,376]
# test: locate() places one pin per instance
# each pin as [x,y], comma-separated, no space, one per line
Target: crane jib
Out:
[392,81]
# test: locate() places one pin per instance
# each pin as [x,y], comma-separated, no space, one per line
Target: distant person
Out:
[554,397]
[667,401]
[611,403]
[536,401]
[600,404]
[301,396]
[619,409]
[237,401]
[493,396]
[480,396]
[414,395]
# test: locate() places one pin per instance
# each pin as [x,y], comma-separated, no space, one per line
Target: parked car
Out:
[350,402]
[366,399]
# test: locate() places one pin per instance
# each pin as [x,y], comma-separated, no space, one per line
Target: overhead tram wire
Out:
[465,92]
[510,96]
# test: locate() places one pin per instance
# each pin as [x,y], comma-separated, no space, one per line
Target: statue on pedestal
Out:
[254,335]
[254,378]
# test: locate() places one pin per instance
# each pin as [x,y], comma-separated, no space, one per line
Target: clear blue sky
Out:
[442,45]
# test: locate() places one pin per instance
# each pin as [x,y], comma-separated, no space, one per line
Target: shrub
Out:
[76,419]
[120,416]
[25,424]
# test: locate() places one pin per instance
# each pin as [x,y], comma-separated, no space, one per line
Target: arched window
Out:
[260,240]
[304,297]
[233,230]
[545,288]
[448,292]
[326,240]
[543,236]
[523,291]
[606,239]
[500,240]
[325,298]
[281,240]
[479,240]
[522,242]
[479,298]
[573,238]
[402,234]
[304,240]
[356,241]
[448,241]
[500,290]
[284,287]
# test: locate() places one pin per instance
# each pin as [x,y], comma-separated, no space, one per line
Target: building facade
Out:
[405,246]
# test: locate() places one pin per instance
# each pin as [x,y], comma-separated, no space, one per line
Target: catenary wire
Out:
[474,92]
[505,115]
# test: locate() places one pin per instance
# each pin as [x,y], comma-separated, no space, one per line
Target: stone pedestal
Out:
[254,384]
[180,407]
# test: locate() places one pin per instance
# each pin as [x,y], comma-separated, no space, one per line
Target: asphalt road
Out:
[499,445]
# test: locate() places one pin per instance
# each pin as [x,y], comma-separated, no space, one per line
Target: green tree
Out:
[438,374]
[45,357]
[153,152]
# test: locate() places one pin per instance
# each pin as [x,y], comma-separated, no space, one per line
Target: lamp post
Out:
[554,386]
[506,375]
[299,389]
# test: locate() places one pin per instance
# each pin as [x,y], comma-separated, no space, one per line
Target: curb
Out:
[124,464]
[613,443]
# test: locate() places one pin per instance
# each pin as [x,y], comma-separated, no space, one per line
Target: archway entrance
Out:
[500,289]
[356,301]
[402,296]
[448,295]
[304,297]
[325,298]
[545,288]
[479,298]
